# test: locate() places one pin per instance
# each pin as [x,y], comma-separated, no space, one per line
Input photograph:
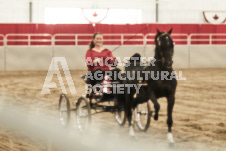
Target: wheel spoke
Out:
[142,115]
[64,109]
[83,114]
[120,116]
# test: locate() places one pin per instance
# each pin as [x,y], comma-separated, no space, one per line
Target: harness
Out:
[142,83]
[162,35]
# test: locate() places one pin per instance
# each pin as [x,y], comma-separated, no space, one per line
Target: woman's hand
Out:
[115,63]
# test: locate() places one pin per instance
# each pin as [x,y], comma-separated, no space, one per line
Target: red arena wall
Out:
[80,34]
[103,28]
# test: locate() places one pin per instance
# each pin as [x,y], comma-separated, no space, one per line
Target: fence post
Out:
[122,39]
[76,39]
[189,50]
[210,37]
[4,46]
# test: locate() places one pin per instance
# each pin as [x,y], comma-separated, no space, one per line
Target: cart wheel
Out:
[64,109]
[83,114]
[120,114]
[143,116]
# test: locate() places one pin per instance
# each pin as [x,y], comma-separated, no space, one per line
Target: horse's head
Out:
[164,48]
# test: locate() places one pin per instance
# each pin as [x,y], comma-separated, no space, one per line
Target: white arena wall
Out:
[28,58]
[20,58]
[170,11]
[208,56]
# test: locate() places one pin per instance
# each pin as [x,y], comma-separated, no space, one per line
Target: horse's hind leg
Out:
[129,114]
[156,105]
[170,101]
[131,124]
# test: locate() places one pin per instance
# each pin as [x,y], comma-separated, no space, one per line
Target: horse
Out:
[155,87]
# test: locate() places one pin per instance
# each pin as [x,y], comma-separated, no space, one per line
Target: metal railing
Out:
[207,39]
[63,38]
[1,40]
[177,38]
[28,39]
[109,39]
[84,39]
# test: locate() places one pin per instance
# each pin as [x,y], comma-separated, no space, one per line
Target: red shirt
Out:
[106,57]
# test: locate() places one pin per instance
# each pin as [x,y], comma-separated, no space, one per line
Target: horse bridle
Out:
[162,60]
[161,36]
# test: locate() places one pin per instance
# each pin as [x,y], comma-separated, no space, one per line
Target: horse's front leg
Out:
[129,114]
[131,125]
[156,105]
[170,101]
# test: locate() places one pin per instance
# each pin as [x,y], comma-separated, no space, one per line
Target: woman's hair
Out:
[91,44]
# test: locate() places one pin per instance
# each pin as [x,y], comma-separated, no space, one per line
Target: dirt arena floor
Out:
[199,113]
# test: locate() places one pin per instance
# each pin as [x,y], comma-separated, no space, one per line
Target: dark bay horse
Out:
[159,82]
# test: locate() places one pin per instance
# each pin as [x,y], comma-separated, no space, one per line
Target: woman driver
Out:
[98,60]
[96,56]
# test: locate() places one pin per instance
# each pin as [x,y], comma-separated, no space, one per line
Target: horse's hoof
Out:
[172,145]
[156,117]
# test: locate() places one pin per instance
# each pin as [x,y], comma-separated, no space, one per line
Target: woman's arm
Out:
[89,60]
[111,59]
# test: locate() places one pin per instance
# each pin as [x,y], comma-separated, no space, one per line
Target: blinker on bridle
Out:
[161,36]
